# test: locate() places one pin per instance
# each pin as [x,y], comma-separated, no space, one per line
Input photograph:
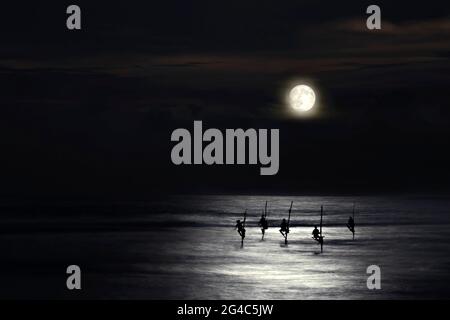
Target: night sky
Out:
[89,113]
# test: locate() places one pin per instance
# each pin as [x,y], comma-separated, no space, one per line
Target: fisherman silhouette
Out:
[316,233]
[263,224]
[240,228]
[284,228]
[351,224]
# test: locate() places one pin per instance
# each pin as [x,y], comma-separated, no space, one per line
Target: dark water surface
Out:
[184,247]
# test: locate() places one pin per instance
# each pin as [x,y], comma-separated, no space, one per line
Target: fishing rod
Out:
[243,228]
[321,219]
[287,225]
[289,217]
[263,221]
[265,210]
[321,237]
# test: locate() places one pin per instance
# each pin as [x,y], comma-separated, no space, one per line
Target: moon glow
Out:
[302,98]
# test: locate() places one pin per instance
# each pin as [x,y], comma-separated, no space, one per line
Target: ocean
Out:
[186,247]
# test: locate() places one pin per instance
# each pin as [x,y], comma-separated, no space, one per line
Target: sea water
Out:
[185,247]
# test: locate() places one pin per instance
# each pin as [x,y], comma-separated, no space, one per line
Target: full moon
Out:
[302,98]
